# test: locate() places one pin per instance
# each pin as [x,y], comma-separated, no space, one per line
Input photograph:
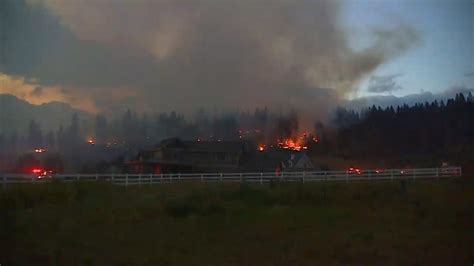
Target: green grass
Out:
[361,223]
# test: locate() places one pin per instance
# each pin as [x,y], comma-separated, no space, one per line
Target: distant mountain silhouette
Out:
[15,115]
[411,99]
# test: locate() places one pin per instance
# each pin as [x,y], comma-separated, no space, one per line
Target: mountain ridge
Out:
[16,114]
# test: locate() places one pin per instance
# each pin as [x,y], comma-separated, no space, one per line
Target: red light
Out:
[36,170]
[354,170]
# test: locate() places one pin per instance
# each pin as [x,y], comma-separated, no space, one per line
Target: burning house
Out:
[178,156]
[175,155]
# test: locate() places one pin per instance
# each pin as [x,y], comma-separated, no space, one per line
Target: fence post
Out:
[179,176]
[126,179]
[96,177]
[139,179]
[261,178]
[4,182]
[221,176]
[391,175]
[414,173]
[151,179]
[241,177]
[304,173]
[112,177]
[202,178]
[437,173]
[347,177]
[161,178]
[77,177]
[370,175]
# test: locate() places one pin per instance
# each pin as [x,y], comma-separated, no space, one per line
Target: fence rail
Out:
[259,177]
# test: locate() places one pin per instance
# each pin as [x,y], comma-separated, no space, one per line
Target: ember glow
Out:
[40,150]
[261,147]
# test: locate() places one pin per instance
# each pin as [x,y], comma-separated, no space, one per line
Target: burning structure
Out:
[175,155]
[178,156]
[276,146]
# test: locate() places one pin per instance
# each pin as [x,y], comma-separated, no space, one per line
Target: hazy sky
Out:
[159,55]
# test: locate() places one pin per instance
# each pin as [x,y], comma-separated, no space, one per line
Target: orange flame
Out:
[297,143]
[291,144]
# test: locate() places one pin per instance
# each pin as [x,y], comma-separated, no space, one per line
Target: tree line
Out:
[435,129]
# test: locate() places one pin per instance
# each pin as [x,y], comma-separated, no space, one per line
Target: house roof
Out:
[214,146]
[205,146]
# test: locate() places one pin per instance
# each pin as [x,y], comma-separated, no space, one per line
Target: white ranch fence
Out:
[258,177]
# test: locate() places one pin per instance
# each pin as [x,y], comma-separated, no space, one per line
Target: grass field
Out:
[363,223]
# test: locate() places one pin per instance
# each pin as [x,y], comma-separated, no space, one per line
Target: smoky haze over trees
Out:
[84,142]
[438,129]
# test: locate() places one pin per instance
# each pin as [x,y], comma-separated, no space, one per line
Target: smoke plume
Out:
[230,55]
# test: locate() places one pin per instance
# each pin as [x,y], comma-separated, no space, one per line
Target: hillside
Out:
[15,114]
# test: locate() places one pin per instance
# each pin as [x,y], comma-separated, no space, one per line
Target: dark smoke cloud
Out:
[182,55]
